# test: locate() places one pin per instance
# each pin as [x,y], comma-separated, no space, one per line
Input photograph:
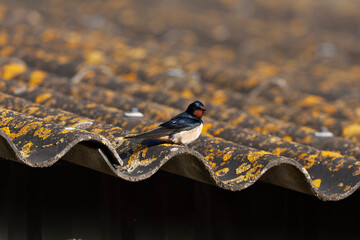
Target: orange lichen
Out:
[43,133]
[243,168]
[95,57]
[49,35]
[3,38]
[37,77]
[129,77]
[317,182]
[43,97]
[256,110]
[352,131]
[187,94]
[205,128]
[357,172]
[287,138]
[278,151]
[25,150]
[227,156]
[331,154]
[12,70]
[254,156]
[310,101]
[309,160]
[218,131]
[222,172]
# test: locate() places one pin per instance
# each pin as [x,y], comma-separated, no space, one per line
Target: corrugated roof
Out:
[282,99]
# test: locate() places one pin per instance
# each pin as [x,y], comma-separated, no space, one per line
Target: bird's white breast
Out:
[186,137]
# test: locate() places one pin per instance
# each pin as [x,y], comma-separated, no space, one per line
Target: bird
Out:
[182,129]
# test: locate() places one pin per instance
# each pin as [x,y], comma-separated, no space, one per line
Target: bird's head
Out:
[196,109]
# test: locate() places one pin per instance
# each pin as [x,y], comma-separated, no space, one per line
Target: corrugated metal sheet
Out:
[281,89]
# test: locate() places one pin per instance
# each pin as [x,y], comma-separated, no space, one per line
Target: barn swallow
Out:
[183,129]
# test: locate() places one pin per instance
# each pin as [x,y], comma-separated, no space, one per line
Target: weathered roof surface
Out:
[280,81]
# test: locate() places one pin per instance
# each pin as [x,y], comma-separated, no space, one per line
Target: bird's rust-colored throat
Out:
[199,112]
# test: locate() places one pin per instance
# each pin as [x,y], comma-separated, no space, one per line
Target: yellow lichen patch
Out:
[227,156]
[43,133]
[251,82]
[5,120]
[150,127]
[45,146]
[267,70]
[205,128]
[287,138]
[37,77]
[144,151]
[256,110]
[352,131]
[346,188]
[25,150]
[329,121]
[222,172]
[210,156]
[250,175]
[340,184]
[43,97]
[167,144]
[6,51]
[187,94]
[49,35]
[24,130]
[134,158]
[340,163]
[279,100]
[219,97]
[330,109]
[331,154]
[95,57]
[218,131]
[3,38]
[243,168]
[310,101]
[138,53]
[12,70]
[7,131]
[254,156]
[129,77]
[117,142]
[239,119]
[62,59]
[31,110]
[317,182]
[309,161]
[68,130]
[357,172]
[278,151]
[212,165]
[308,140]
[331,169]
[91,105]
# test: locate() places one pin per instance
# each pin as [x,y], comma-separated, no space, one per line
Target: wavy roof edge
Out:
[283,172]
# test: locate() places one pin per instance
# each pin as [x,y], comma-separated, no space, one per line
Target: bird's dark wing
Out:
[178,123]
[154,134]
[181,122]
